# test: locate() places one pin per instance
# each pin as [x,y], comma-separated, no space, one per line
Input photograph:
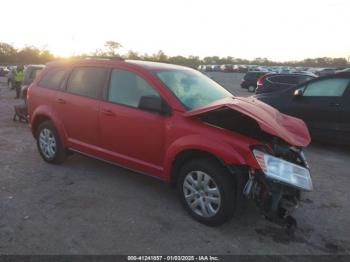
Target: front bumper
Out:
[276,201]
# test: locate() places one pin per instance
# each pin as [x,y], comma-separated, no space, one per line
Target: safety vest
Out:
[19,75]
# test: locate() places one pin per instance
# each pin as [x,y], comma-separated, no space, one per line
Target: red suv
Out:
[176,124]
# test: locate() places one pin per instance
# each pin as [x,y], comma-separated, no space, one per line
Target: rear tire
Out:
[207,191]
[251,89]
[49,143]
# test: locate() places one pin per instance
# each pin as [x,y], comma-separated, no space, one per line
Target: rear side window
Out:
[127,88]
[284,79]
[53,78]
[87,81]
[251,75]
[327,87]
[305,78]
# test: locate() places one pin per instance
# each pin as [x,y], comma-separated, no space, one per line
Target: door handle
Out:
[334,104]
[60,101]
[108,112]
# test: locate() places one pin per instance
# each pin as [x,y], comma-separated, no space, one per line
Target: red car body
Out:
[149,142]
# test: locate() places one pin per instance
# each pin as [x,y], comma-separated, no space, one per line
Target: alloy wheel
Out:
[251,89]
[202,194]
[47,142]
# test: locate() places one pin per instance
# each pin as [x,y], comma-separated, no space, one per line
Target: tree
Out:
[111,48]
[46,56]
[160,56]
[133,55]
[7,53]
[29,55]
[339,62]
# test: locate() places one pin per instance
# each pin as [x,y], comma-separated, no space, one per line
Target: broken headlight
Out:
[283,171]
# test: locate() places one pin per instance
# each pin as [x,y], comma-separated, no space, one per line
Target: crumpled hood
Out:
[290,129]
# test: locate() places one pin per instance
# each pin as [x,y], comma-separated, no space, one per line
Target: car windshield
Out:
[192,88]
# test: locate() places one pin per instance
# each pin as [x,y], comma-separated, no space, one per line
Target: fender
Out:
[222,150]
[47,111]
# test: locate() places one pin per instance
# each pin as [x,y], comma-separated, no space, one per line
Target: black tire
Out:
[60,153]
[225,183]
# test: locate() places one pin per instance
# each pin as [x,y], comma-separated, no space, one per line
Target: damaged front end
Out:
[277,186]
[282,172]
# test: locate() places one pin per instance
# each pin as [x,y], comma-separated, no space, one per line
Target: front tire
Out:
[49,143]
[207,191]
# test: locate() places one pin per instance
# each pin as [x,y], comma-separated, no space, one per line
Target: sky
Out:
[279,30]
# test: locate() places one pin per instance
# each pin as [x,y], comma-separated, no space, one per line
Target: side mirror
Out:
[154,104]
[298,93]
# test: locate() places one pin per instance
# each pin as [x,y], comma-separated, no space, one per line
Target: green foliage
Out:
[26,55]
[7,53]
[110,49]
[34,55]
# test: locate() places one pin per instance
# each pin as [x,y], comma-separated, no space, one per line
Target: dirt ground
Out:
[85,206]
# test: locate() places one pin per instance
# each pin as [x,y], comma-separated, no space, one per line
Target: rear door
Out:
[78,106]
[321,106]
[44,92]
[277,83]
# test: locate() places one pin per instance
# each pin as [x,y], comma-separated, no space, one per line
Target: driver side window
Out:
[127,88]
[326,87]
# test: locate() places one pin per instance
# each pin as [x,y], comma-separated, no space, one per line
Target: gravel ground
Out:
[86,206]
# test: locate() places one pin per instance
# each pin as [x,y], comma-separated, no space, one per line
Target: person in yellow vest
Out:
[19,75]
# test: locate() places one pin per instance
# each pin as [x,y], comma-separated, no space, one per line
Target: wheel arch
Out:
[45,114]
[187,155]
[239,173]
[198,147]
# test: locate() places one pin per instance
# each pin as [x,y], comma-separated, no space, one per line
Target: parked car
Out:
[326,72]
[215,68]
[30,72]
[250,79]
[212,145]
[323,103]
[226,68]
[343,70]
[3,71]
[242,69]
[276,82]
[208,68]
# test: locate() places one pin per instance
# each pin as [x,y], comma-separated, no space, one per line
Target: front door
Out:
[320,106]
[131,136]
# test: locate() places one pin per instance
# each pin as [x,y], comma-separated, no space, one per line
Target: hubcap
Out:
[47,143]
[201,193]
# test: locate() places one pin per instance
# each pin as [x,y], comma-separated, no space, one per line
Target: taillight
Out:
[260,81]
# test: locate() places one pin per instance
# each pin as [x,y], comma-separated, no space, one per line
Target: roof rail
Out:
[117,58]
